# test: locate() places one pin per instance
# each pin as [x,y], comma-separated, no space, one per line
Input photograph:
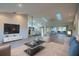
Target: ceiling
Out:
[43,10]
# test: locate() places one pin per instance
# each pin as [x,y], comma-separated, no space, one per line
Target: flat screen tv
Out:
[11,28]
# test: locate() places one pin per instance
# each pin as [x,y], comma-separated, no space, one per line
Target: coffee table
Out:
[34,48]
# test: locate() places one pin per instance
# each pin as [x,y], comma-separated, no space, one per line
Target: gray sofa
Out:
[5,50]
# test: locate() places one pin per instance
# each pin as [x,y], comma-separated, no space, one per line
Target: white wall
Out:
[78,20]
[76,23]
[22,20]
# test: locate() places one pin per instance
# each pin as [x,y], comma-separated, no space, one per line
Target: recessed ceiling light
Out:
[20,5]
[58,16]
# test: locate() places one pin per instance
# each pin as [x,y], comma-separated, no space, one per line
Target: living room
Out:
[35,30]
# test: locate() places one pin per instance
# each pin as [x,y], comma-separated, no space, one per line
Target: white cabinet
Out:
[11,38]
[6,40]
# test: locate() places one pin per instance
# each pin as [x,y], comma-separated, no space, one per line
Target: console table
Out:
[34,48]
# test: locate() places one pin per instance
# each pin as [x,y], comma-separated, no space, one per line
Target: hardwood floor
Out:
[51,49]
[57,38]
[57,46]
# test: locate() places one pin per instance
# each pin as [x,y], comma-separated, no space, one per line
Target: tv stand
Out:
[11,37]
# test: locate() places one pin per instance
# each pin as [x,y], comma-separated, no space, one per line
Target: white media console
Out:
[11,37]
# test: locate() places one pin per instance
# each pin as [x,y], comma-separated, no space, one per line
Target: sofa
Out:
[73,46]
[5,50]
